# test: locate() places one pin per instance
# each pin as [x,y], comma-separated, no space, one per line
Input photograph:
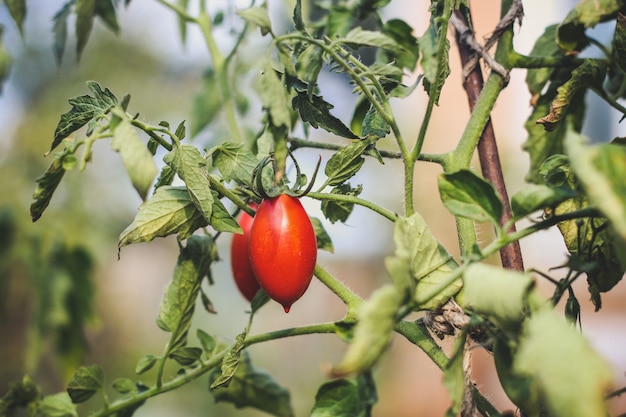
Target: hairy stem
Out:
[354,200]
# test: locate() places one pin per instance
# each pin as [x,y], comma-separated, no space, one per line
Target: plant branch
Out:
[354,200]
[511,255]
[351,300]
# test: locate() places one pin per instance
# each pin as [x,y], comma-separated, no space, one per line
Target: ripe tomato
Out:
[240,259]
[283,249]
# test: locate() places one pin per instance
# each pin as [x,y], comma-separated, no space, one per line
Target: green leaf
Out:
[186,356]
[340,210]
[105,10]
[169,211]
[145,364]
[467,195]
[252,387]
[179,300]
[47,184]
[372,333]
[234,161]
[588,75]
[85,382]
[536,78]
[297,16]
[407,54]
[206,341]
[323,239]
[56,405]
[17,9]
[345,398]
[536,197]
[619,42]
[274,97]
[19,395]
[59,29]
[230,363]
[420,263]
[182,23]
[84,109]
[435,48]
[359,37]
[191,167]
[257,16]
[601,169]
[308,66]
[346,162]
[166,177]
[374,124]
[136,157]
[586,14]
[316,112]
[85,12]
[124,385]
[558,372]
[499,294]
[221,220]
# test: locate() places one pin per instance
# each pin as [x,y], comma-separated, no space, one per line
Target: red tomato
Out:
[283,249]
[240,259]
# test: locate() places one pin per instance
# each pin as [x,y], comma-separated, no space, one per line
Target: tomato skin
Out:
[240,258]
[283,249]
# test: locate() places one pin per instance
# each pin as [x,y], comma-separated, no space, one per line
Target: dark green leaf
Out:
[407,54]
[17,9]
[467,195]
[19,395]
[186,356]
[340,210]
[136,157]
[124,385]
[586,14]
[257,16]
[252,387]
[588,75]
[169,211]
[619,42]
[372,333]
[316,112]
[345,398]
[85,382]
[260,299]
[105,10]
[56,405]
[323,239]
[191,167]
[207,103]
[234,161]
[536,78]
[309,65]
[435,48]
[297,16]
[230,363]
[166,177]
[420,263]
[145,364]
[375,125]
[85,12]
[179,300]
[535,197]
[47,184]
[84,109]
[346,162]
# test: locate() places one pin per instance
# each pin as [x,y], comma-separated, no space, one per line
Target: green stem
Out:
[303,143]
[150,131]
[354,200]
[180,11]
[319,328]
[350,299]
[228,193]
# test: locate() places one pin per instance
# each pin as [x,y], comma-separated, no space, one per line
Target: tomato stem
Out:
[351,300]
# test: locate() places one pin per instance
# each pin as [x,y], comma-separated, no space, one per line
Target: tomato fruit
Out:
[283,249]
[240,258]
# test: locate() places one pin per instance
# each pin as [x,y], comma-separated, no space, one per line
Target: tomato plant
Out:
[191,186]
[240,258]
[283,249]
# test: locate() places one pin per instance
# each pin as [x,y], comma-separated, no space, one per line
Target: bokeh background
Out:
[39,336]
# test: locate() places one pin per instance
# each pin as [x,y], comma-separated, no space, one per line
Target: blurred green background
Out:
[65,298]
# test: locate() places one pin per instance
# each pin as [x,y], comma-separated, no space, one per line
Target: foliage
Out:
[575,186]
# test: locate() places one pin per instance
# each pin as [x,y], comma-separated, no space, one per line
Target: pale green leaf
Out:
[258,16]
[535,197]
[274,97]
[85,382]
[136,157]
[56,405]
[360,37]
[230,363]
[234,161]
[124,385]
